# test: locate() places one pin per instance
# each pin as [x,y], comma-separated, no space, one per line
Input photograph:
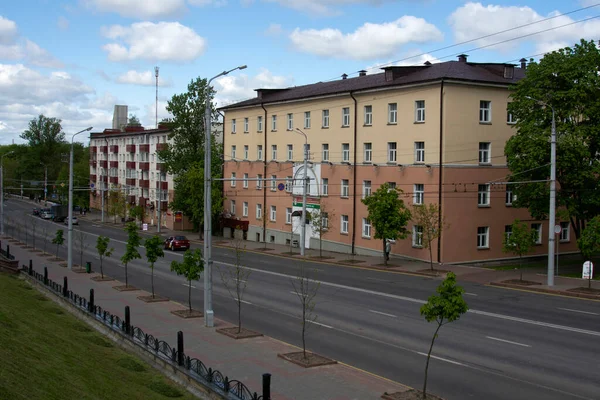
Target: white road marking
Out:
[382,313]
[96,226]
[443,359]
[186,285]
[378,280]
[320,324]
[471,294]
[245,302]
[508,341]
[578,311]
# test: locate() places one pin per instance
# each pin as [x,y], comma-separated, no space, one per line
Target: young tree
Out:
[154,250]
[589,242]
[131,248]
[235,279]
[137,212]
[387,214]
[103,250]
[520,241]
[80,245]
[427,216]
[319,220]
[443,308]
[306,289]
[116,203]
[191,268]
[58,240]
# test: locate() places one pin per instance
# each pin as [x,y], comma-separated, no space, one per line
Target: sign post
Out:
[588,270]
[557,229]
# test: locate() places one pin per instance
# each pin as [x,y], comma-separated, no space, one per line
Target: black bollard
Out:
[45,275]
[127,320]
[8,251]
[266,379]
[180,348]
[91,302]
[30,267]
[65,287]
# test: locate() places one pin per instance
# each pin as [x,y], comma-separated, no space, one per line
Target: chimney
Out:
[362,72]
[427,63]
[523,62]
[462,57]
[344,76]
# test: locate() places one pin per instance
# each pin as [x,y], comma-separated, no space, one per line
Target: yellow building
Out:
[435,131]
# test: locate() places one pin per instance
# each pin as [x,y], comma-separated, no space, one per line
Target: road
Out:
[510,345]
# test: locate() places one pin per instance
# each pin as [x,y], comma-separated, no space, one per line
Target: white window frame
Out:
[510,118]
[325,151]
[273,152]
[418,193]
[345,188]
[259,152]
[258,211]
[508,232]
[420,111]
[290,152]
[233,126]
[392,152]
[325,187]
[290,122]
[367,189]
[289,184]
[246,152]
[485,153]
[392,113]
[259,123]
[246,125]
[288,215]
[537,228]
[417,236]
[245,209]
[233,182]
[344,224]
[509,197]
[306,119]
[232,207]
[259,181]
[485,111]
[346,117]
[419,152]
[368,112]
[366,228]
[368,152]
[565,232]
[273,183]
[273,214]
[483,195]
[245,181]
[233,151]
[346,152]
[483,237]
[325,119]
[274,123]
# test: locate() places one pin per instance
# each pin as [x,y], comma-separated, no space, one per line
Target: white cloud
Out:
[15,48]
[8,30]
[143,78]
[324,7]
[62,23]
[238,87]
[369,41]
[140,9]
[474,20]
[160,41]
[204,3]
[274,30]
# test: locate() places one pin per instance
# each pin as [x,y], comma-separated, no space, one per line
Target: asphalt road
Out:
[510,345]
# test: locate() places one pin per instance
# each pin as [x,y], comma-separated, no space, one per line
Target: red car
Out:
[177,242]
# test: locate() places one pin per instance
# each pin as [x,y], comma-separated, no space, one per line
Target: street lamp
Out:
[303,231]
[552,211]
[208,311]
[70,231]
[2,191]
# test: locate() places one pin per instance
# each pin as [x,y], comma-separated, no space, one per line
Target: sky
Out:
[75,59]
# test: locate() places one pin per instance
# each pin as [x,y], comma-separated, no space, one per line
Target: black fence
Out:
[6,253]
[196,369]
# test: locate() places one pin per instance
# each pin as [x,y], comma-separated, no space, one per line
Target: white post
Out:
[159,208]
[552,211]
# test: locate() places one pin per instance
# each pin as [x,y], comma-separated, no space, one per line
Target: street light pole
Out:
[303,231]
[70,214]
[2,191]
[208,310]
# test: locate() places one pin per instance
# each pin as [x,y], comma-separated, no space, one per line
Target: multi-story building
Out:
[435,131]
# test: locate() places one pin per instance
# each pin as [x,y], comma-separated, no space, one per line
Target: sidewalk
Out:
[245,360]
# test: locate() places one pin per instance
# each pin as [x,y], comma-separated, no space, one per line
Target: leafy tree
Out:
[103,250]
[589,242]
[387,214]
[46,142]
[443,308]
[520,241]
[58,240]
[306,289]
[131,248]
[191,268]
[154,250]
[137,212]
[319,220]
[116,203]
[133,120]
[567,81]
[427,216]
[235,279]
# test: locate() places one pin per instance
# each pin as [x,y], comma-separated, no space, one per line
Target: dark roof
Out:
[491,73]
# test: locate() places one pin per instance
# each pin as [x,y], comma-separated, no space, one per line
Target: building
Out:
[435,131]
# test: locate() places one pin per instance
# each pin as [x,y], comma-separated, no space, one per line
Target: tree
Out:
[589,242]
[567,81]
[443,308]
[520,240]
[191,268]
[103,250]
[387,214]
[59,240]
[46,142]
[319,219]
[235,279]
[81,245]
[137,212]
[154,250]
[116,203]
[428,218]
[133,120]
[306,289]
[131,248]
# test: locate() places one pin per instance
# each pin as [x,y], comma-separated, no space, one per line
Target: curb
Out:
[546,291]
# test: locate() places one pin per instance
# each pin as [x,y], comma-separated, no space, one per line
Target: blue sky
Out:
[75,60]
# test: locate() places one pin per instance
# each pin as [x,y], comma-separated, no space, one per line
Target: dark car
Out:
[177,243]
[36,211]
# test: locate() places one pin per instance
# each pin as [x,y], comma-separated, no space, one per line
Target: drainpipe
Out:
[264,220]
[440,179]
[354,173]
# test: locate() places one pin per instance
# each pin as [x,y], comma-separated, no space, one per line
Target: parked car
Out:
[46,214]
[74,219]
[177,242]
[36,211]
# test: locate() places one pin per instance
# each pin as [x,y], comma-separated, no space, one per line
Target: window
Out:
[345,188]
[233,125]
[483,237]
[510,118]
[392,185]
[366,189]
[325,122]
[392,113]
[483,195]
[419,152]
[392,152]
[245,181]
[273,152]
[537,233]
[245,209]
[259,123]
[368,156]
[417,236]
[259,155]
[273,183]
[324,221]
[290,151]
[273,213]
[484,152]
[233,181]
[346,116]
[307,119]
[564,231]
[419,193]
[368,115]
[324,187]
[485,111]
[366,228]
[259,181]
[288,215]
[420,111]
[290,122]
[345,152]
[507,231]
[246,152]
[510,197]
[344,224]
[325,152]
[273,123]
[232,207]
[258,211]
[246,125]
[288,184]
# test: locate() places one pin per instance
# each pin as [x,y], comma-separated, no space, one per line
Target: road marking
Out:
[95,226]
[245,302]
[443,359]
[471,294]
[320,324]
[382,313]
[378,280]
[186,285]
[578,311]
[507,341]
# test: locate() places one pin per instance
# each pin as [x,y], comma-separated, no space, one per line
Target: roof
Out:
[490,73]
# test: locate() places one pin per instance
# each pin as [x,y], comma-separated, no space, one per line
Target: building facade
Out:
[436,131]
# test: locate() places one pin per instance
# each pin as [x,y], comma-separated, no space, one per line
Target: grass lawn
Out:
[46,353]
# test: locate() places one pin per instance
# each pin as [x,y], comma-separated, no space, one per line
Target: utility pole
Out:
[2,191]
[304,179]
[552,211]
[156,103]
[45,183]
[159,208]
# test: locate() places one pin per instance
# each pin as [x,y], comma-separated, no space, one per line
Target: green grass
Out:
[46,353]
